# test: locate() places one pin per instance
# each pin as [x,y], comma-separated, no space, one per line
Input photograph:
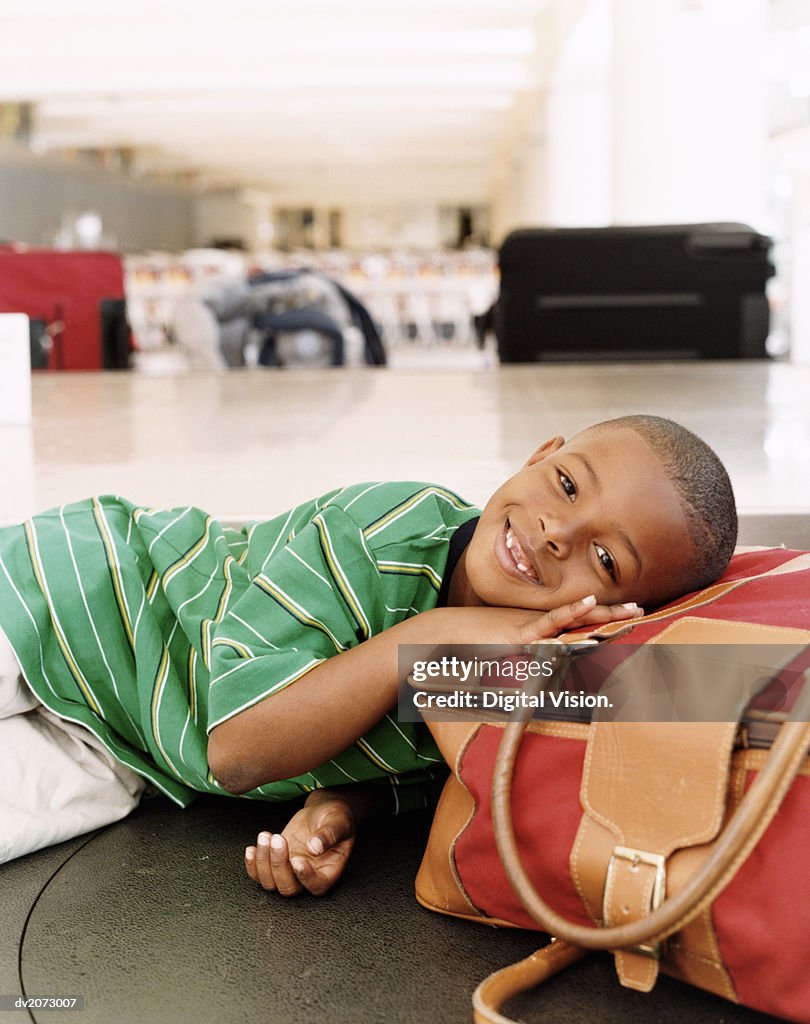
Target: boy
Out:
[264,662]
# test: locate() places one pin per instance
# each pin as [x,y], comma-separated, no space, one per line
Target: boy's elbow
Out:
[226,765]
[231,764]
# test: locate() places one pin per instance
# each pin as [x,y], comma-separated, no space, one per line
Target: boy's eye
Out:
[568,485]
[606,561]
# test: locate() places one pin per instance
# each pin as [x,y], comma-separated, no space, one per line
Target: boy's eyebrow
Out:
[631,547]
[586,462]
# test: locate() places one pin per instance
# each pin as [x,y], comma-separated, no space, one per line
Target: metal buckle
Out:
[636,857]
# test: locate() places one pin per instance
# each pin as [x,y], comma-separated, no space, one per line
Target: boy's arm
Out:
[336,702]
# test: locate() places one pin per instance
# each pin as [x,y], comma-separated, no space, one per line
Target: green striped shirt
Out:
[152,626]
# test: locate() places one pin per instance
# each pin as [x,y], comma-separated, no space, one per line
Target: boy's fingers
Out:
[262,865]
[307,875]
[614,613]
[250,862]
[587,612]
[327,836]
[568,613]
[285,880]
[319,842]
[578,609]
[630,610]
[315,881]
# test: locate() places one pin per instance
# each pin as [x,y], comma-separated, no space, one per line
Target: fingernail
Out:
[277,843]
[298,865]
[264,839]
[315,845]
[250,853]
[588,601]
[630,606]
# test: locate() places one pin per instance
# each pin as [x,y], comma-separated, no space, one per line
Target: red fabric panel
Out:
[545,801]
[68,286]
[751,563]
[782,600]
[763,918]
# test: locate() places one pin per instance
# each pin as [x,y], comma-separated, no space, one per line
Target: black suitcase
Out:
[678,291]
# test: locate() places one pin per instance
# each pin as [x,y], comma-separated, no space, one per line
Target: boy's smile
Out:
[598,515]
[511,554]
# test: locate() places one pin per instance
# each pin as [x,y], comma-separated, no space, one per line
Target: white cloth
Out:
[56,779]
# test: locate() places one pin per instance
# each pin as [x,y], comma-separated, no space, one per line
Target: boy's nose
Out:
[559,535]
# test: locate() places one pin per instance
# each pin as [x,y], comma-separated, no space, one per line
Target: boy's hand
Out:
[583,613]
[312,851]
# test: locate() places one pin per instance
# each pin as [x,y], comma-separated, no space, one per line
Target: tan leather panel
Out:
[628,897]
[627,795]
[693,954]
[684,962]
[694,630]
[438,886]
[451,736]
[588,862]
[658,785]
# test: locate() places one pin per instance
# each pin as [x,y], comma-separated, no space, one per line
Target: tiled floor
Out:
[248,443]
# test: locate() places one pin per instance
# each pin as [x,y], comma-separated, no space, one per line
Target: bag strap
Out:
[740,836]
[494,990]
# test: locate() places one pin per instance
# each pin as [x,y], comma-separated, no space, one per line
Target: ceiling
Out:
[317,102]
[297,99]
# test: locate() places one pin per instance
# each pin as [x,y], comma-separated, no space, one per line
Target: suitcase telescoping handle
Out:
[740,836]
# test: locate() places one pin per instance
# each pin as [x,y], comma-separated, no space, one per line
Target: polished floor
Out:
[152,920]
[248,443]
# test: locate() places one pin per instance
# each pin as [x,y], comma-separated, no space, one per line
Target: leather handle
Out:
[740,836]
[494,990]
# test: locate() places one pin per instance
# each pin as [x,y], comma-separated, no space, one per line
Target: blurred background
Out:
[191,188]
[385,142]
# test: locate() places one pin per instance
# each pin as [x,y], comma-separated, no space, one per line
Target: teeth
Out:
[517,554]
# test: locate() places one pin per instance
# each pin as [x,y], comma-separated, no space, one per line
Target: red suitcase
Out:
[75,299]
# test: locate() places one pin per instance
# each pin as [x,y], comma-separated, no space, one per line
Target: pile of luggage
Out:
[285,318]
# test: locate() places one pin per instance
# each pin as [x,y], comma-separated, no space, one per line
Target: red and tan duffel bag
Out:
[681,846]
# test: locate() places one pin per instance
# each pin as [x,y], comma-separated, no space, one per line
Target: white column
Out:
[578,124]
[800,270]
[532,205]
[16,441]
[689,116]
[521,199]
[504,207]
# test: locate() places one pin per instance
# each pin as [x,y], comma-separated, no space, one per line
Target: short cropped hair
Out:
[701,481]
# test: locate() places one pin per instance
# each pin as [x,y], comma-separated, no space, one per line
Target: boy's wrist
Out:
[359,800]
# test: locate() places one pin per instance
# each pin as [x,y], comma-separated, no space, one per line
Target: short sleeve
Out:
[317,596]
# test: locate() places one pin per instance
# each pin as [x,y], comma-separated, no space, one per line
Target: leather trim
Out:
[754,761]
[625,789]
[438,886]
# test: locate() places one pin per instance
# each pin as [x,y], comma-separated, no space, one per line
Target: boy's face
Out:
[597,515]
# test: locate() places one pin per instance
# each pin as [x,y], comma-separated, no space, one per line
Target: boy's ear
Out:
[546,448]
